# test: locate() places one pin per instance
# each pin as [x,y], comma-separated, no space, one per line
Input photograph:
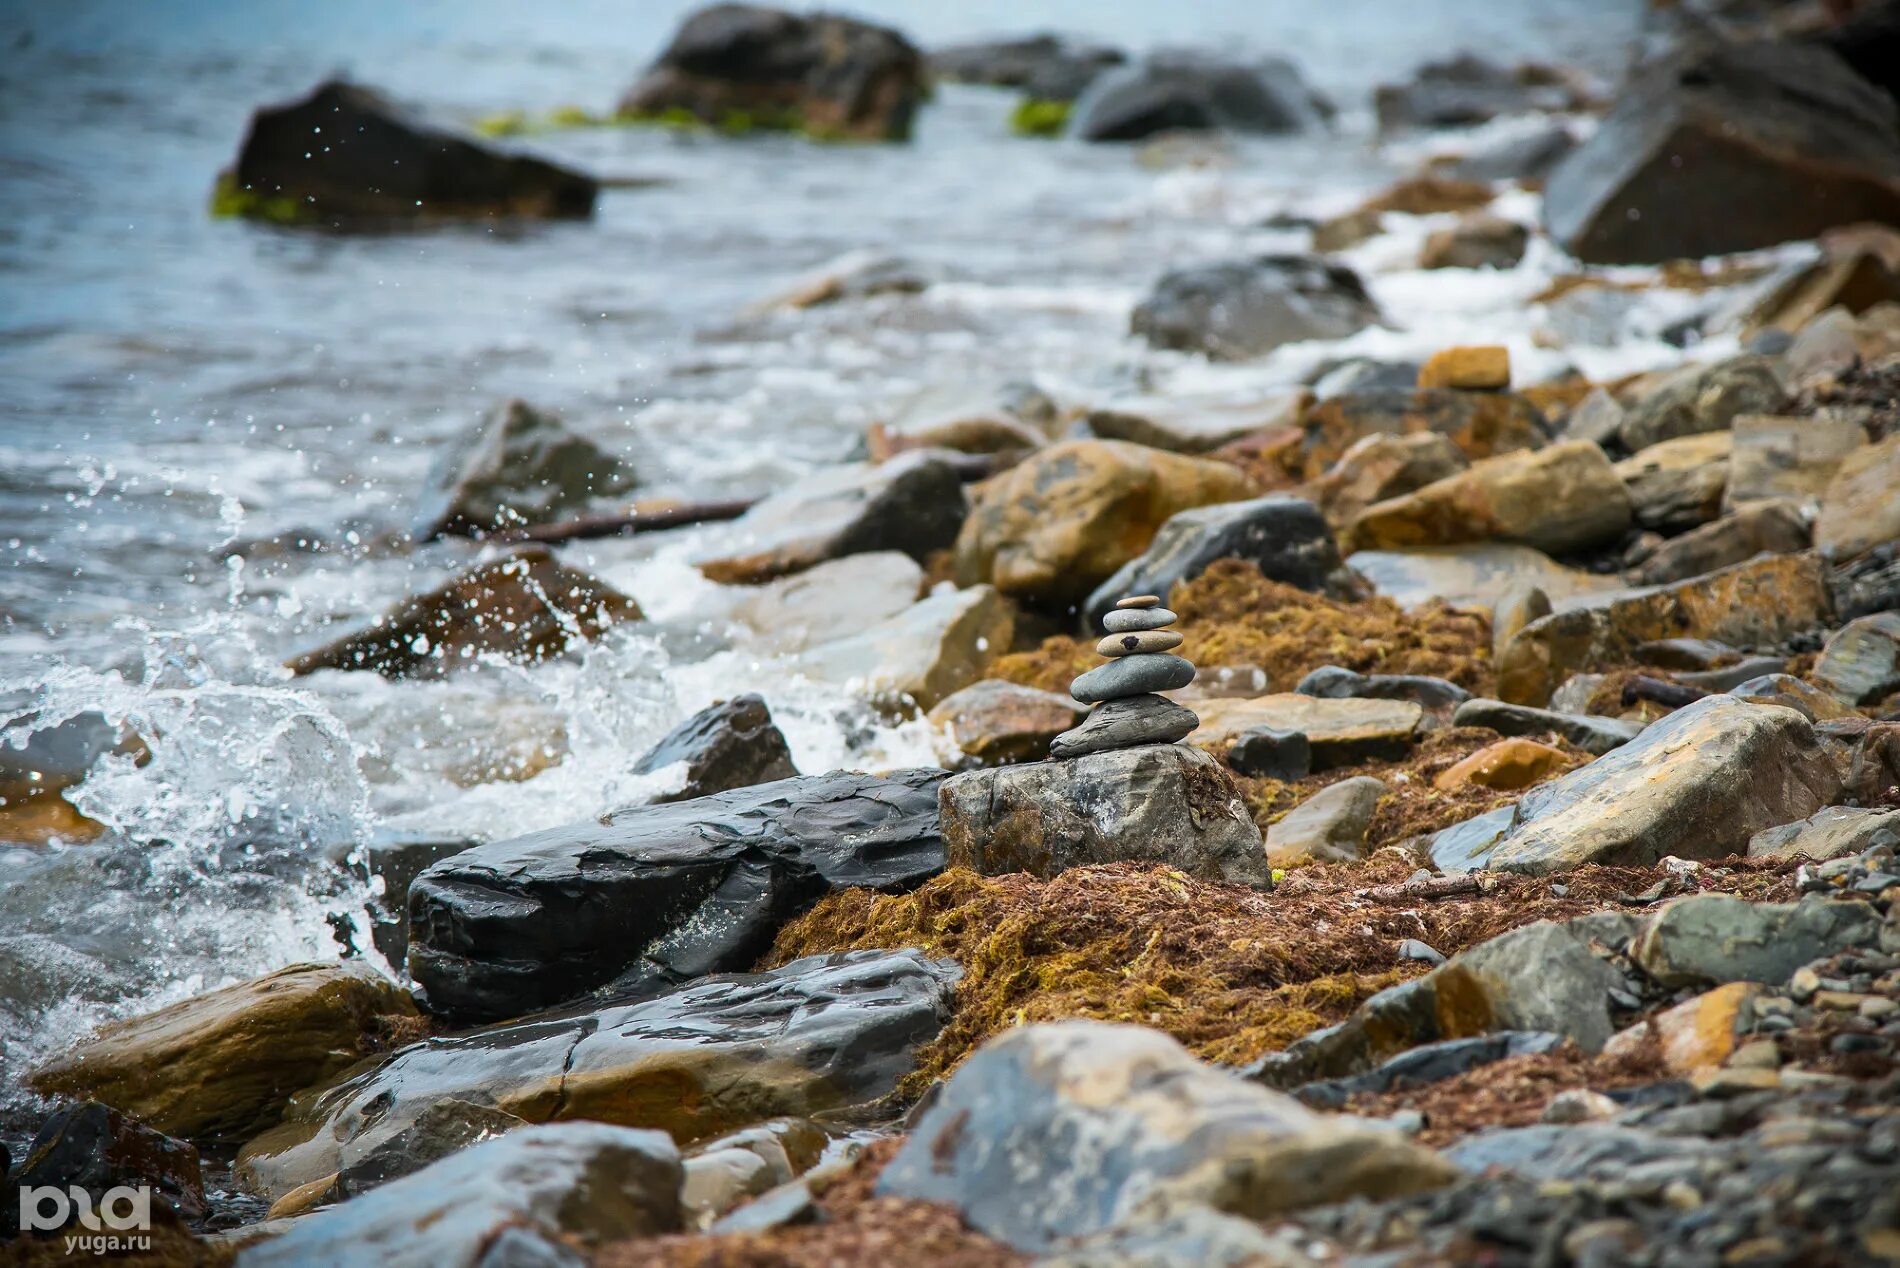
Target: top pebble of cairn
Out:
[1128,711]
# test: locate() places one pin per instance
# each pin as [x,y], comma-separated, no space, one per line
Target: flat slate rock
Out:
[1126,723]
[1593,734]
[1333,682]
[1340,732]
[1133,676]
[651,895]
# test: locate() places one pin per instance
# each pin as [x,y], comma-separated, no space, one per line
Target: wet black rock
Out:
[1285,537]
[732,744]
[93,1147]
[1246,308]
[1197,92]
[744,66]
[1047,66]
[397,858]
[652,895]
[344,156]
[1725,147]
[447,1126]
[518,466]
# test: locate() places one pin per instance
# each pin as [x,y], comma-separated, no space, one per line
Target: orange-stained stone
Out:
[1506,766]
[1697,1034]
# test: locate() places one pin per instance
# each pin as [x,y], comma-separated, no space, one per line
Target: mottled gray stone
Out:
[1126,723]
[1133,676]
[1827,834]
[1127,620]
[1143,644]
[1709,939]
[1593,734]
[1270,753]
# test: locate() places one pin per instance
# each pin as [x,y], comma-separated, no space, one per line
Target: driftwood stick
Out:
[1428,887]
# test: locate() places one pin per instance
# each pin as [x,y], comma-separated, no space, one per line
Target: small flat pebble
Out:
[1128,620]
[1140,601]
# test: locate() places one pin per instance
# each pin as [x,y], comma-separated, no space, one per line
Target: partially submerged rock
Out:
[1240,309]
[1044,64]
[913,504]
[1285,537]
[1760,603]
[738,67]
[526,1198]
[377,164]
[1175,91]
[718,1053]
[1157,803]
[524,606]
[1130,1126]
[1726,147]
[517,466]
[1462,91]
[1562,498]
[935,647]
[1477,241]
[1054,527]
[996,723]
[220,1066]
[1698,784]
[730,744]
[652,895]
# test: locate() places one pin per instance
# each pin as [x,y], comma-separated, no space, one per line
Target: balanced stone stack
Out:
[1128,711]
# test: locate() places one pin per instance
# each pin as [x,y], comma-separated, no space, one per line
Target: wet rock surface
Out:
[1197,92]
[518,466]
[653,894]
[741,66]
[383,166]
[723,1052]
[526,606]
[1240,309]
[732,744]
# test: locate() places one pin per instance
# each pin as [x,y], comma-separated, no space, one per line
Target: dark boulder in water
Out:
[96,1148]
[652,895]
[1464,91]
[741,66]
[344,155]
[731,744]
[519,465]
[1238,309]
[1728,147]
[526,606]
[1198,92]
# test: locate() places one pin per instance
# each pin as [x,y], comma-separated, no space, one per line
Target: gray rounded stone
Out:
[1126,723]
[1133,620]
[1119,645]
[1133,676]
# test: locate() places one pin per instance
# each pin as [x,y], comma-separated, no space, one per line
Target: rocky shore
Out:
[1418,815]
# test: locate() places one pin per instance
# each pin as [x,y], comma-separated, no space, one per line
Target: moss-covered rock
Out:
[1036,117]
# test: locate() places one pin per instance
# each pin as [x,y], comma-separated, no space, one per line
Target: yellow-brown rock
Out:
[1340,731]
[1506,766]
[1697,1035]
[221,1066]
[1481,424]
[1565,497]
[1058,525]
[1478,367]
[996,722]
[1679,483]
[1758,603]
[1861,508]
[1381,467]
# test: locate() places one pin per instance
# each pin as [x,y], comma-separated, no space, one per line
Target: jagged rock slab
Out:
[521,1199]
[913,504]
[1859,511]
[517,466]
[731,744]
[650,895]
[1760,603]
[1564,497]
[1697,784]
[1285,537]
[1128,722]
[1831,833]
[714,1055]
[1125,1125]
[1161,803]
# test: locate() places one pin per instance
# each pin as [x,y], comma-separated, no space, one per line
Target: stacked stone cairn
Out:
[1128,712]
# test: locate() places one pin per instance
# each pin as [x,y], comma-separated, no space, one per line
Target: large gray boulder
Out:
[1065,1130]
[540,1187]
[1285,537]
[1239,309]
[1176,91]
[517,466]
[652,895]
[1157,803]
[1709,939]
[1728,147]
[1698,784]
[723,1052]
